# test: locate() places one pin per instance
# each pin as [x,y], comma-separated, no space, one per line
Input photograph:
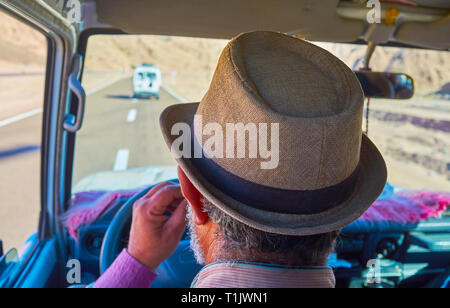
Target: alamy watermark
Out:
[71,8]
[373,276]
[74,271]
[374,15]
[235,140]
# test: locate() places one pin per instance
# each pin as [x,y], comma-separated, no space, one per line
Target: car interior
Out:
[92,166]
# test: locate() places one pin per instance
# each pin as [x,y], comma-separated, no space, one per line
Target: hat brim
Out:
[370,184]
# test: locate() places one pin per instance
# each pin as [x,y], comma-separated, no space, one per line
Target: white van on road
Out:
[147,81]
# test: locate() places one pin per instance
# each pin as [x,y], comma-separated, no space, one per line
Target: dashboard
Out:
[399,255]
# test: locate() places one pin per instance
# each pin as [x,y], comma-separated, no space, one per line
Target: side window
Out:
[23,53]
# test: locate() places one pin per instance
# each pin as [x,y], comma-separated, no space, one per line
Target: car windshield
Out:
[120,145]
[146,75]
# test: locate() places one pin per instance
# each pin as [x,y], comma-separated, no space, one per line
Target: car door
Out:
[34,100]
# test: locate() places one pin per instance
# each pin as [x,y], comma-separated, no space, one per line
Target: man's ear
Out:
[194,197]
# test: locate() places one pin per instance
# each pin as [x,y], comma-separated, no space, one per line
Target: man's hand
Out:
[154,235]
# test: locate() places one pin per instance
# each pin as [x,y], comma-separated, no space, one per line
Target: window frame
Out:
[60,42]
[71,138]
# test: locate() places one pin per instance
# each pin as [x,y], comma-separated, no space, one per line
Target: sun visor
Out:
[314,20]
[431,35]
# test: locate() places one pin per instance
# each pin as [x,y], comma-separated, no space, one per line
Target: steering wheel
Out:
[178,271]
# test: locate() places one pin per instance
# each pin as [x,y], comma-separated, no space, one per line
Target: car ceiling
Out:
[311,19]
[445,4]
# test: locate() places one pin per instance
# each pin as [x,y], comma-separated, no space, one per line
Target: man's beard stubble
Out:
[195,244]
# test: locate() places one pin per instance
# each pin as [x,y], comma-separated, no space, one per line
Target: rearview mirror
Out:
[386,85]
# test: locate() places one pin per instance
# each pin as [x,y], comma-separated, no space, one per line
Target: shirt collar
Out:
[260,275]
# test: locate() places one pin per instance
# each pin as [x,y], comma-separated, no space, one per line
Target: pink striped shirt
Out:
[244,275]
[127,272]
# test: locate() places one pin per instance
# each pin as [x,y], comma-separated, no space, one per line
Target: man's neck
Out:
[244,256]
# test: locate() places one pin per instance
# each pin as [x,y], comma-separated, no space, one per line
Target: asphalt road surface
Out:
[119,133]
[19,180]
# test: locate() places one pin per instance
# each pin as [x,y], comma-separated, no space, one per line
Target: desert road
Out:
[118,133]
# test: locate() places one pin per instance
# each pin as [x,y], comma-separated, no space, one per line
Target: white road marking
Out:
[121,162]
[177,96]
[34,112]
[131,115]
[20,117]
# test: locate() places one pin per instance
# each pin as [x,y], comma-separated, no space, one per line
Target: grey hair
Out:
[241,242]
[195,244]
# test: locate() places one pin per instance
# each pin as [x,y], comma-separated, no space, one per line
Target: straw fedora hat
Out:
[328,173]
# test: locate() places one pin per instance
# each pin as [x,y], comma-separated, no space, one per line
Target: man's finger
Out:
[156,188]
[174,205]
[162,199]
[177,222]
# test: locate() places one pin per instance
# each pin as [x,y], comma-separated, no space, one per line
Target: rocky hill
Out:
[21,45]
